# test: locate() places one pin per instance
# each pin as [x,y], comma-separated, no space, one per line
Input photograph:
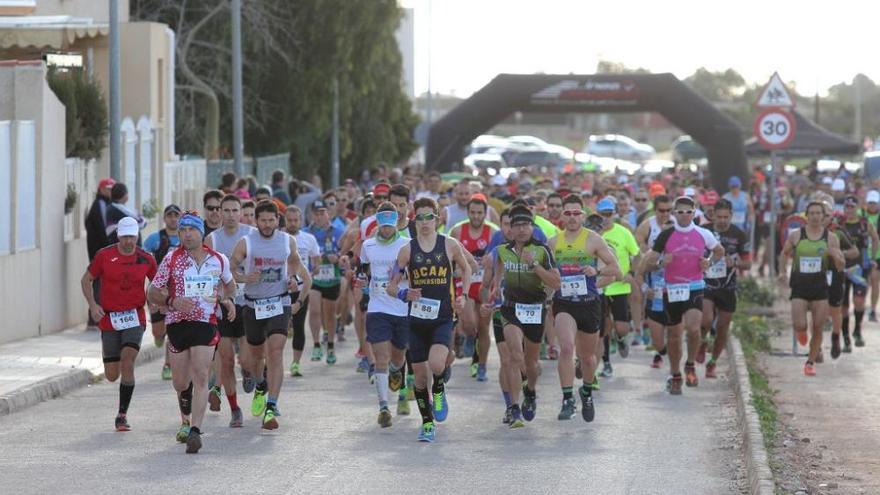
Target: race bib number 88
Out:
[425,309]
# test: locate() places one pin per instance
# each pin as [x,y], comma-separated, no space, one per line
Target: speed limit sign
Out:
[775,128]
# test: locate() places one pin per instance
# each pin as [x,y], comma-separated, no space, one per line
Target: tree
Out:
[86,123]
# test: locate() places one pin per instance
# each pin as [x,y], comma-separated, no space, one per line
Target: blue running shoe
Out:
[529,407]
[247,381]
[481,373]
[426,434]
[363,365]
[441,407]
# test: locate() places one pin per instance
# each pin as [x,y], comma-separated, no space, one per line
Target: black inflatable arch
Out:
[601,93]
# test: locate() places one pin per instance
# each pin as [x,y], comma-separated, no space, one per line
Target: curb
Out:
[757,462]
[63,383]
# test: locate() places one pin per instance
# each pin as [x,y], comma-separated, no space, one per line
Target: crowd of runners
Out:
[569,266]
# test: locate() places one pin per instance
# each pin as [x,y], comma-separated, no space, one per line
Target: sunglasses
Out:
[330,203]
[572,213]
[641,200]
[663,210]
[684,212]
[212,208]
[425,217]
[607,214]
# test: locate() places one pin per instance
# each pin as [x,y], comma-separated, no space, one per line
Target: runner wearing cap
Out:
[743,209]
[858,271]
[683,247]
[123,269]
[158,244]
[838,192]
[813,252]
[327,277]
[192,281]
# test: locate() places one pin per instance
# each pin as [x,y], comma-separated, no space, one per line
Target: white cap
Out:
[498,180]
[827,180]
[127,226]
[838,185]
[873,197]
[689,191]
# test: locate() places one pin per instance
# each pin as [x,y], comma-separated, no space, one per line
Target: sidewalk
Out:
[831,422]
[46,367]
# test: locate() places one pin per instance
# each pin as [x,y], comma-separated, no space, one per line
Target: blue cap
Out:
[605,204]
[734,181]
[190,220]
[386,218]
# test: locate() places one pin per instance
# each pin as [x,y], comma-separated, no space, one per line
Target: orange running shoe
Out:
[809,369]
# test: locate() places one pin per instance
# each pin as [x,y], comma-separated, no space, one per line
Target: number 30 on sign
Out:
[775,128]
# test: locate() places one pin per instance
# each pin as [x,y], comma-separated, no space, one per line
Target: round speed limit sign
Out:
[775,128]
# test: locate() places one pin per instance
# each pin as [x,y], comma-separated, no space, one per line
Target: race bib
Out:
[574,285]
[326,272]
[122,320]
[810,264]
[477,276]
[239,290]
[425,309]
[198,286]
[738,218]
[528,314]
[678,292]
[378,287]
[267,308]
[717,269]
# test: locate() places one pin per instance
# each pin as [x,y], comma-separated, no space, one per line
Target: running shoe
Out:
[516,420]
[363,365]
[607,370]
[529,406]
[294,369]
[578,373]
[384,417]
[872,316]
[395,380]
[166,372]
[568,410]
[481,373]
[637,340]
[657,362]
[258,404]
[673,385]
[237,419]
[402,407]
[508,417]
[411,386]
[426,434]
[553,353]
[474,368]
[441,406]
[835,346]
[469,345]
[622,347]
[860,342]
[809,369]
[269,418]
[802,337]
[247,381]
[690,375]
[331,357]
[701,353]
[447,374]
[588,409]
[193,442]
[183,432]
[122,423]
[214,398]
[710,369]
[317,353]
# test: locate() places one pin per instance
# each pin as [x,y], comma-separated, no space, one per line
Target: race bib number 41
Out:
[123,320]
[528,314]
[678,292]
[425,309]
[198,286]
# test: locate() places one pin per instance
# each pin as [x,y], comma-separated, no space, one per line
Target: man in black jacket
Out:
[96,219]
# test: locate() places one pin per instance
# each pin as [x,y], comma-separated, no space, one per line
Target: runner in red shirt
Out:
[123,269]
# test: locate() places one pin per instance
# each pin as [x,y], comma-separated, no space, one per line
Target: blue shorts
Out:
[383,327]
[425,333]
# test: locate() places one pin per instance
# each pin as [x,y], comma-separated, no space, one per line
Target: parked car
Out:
[685,149]
[617,146]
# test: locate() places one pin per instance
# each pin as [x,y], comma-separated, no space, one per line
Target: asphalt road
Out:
[642,442]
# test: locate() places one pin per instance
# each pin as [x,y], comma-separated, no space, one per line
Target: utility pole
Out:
[857,126]
[115,100]
[334,140]
[237,117]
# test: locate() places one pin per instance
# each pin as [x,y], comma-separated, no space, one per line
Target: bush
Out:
[86,112]
[750,291]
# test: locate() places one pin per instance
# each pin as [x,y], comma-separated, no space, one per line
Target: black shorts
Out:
[619,307]
[835,290]
[675,310]
[157,317]
[425,333]
[497,326]
[533,332]
[232,329]
[185,334]
[723,299]
[654,311]
[587,315]
[112,342]
[817,293]
[257,331]
[857,290]
[329,293]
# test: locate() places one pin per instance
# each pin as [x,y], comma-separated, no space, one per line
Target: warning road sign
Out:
[775,94]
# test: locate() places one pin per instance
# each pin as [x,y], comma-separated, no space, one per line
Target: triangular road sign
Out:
[775,94]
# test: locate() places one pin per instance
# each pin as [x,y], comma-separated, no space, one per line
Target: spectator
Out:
[118,211]
[241,189]
[96,219]
[279,188]
[227,182]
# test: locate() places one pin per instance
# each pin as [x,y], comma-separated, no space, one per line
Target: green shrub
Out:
[86,112]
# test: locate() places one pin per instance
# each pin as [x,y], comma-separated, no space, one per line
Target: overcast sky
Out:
[815,44]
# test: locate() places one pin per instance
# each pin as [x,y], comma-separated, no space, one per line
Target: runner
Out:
[474,236]
[577,304]
[211,203]
[158,244]
[223,241]
[872,213]
[654,282]
[835,288]
[247,213]
[720,279]
[743,210]
[863,235]
[428,263]
[813,252]
[122,269]
[327,279]
[310,255]
[270,261]
[192,281]
[527,269]
[683,247]
[386,322]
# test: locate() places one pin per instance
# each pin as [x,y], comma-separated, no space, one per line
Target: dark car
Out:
[685,149]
